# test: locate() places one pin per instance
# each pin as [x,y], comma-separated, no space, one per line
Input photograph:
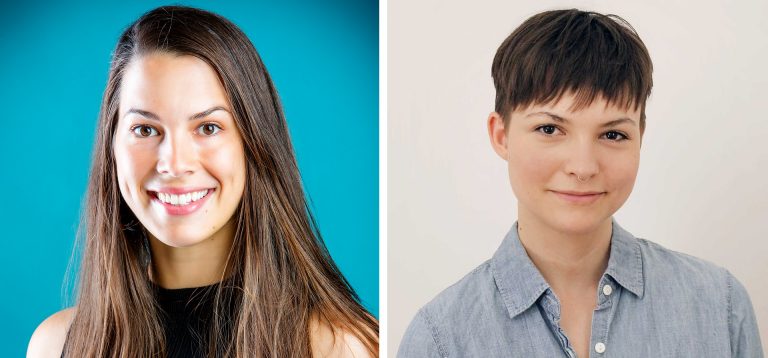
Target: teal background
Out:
[54,59]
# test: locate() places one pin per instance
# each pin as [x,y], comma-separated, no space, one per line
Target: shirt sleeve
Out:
[742,324]
[420,339]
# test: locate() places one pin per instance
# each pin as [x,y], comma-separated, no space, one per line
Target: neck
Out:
[569,262]
[198,265]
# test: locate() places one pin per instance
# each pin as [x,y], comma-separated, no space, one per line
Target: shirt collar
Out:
[625,264]
[521,284]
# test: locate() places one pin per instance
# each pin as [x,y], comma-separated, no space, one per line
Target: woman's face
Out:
[179,155]
[570,170]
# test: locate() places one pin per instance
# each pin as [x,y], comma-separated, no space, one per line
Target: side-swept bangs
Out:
[561,51]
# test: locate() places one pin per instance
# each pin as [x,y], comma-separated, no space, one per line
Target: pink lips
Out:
[180,190]
[579,197]
[181,209]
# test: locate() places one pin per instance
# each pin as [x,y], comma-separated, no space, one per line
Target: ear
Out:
[497,133]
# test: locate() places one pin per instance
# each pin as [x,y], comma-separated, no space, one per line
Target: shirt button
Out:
[600,347]
[607,290]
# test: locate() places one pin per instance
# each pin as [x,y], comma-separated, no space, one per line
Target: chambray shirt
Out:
[652,302]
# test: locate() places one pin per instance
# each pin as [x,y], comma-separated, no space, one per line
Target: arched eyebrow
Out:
[195,116]
[560,119]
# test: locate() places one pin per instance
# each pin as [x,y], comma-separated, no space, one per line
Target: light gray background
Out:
[701,188]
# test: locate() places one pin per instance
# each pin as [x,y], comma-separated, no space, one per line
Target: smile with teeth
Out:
[183,199]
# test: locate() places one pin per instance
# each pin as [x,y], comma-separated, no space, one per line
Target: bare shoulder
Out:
[48,339]
[332,342]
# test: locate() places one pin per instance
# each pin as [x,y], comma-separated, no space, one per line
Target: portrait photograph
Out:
[576,178]
[384,178]
[195,179]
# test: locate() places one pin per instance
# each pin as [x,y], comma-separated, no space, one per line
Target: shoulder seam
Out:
[680,254]
[435,333]
[480,267]
[462,280]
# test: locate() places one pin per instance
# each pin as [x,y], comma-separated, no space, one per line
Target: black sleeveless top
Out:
[187,317]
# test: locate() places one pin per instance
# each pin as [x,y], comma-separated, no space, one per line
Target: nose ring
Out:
[580,179]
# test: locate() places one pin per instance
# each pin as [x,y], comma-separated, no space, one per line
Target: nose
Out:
[176,157]
[582,162]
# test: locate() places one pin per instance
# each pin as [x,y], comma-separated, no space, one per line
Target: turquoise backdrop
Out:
[54,58]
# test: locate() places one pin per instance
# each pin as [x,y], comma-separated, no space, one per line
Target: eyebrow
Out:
[560,119]
[153,116]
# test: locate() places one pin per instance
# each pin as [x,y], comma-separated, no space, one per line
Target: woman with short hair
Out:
[571,88]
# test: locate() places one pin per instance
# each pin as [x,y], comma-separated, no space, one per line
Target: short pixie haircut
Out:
[558,51]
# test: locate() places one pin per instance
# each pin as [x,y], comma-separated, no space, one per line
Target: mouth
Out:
[181,202]
[575,197]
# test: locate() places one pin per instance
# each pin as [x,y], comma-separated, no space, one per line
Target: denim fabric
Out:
[660,304]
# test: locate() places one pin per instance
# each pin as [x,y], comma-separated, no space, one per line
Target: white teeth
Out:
[182,199]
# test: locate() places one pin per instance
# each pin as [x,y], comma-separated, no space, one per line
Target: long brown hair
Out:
[278,267]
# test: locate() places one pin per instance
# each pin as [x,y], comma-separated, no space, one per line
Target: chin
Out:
[180,238]
[576,222]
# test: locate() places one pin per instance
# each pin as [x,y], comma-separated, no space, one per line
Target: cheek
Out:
[623,172]
[132,164]
[530,167]
[227,164]
[135,159]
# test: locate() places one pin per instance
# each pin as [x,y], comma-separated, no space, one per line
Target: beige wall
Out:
[702,184]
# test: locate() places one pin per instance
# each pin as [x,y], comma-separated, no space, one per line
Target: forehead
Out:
[169,82]
[575,104]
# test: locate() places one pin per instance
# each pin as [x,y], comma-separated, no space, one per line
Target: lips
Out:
[578,193]
[179,190]
[576,197]
[182,203]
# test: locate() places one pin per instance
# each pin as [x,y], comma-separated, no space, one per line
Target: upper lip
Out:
[578,193]
[178,190]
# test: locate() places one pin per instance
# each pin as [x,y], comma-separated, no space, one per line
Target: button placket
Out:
[550,305]
[607,289]
[600,347]
[603,314]
[570,353]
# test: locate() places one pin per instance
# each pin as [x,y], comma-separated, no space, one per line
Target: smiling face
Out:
[178,152]
[570,170]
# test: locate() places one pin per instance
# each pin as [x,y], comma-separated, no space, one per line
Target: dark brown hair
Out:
[590,54]
[282,276]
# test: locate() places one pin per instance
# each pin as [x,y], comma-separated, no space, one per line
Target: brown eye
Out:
[144,131]
[209,129]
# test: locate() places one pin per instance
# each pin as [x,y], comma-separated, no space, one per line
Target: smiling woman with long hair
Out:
[198,238]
